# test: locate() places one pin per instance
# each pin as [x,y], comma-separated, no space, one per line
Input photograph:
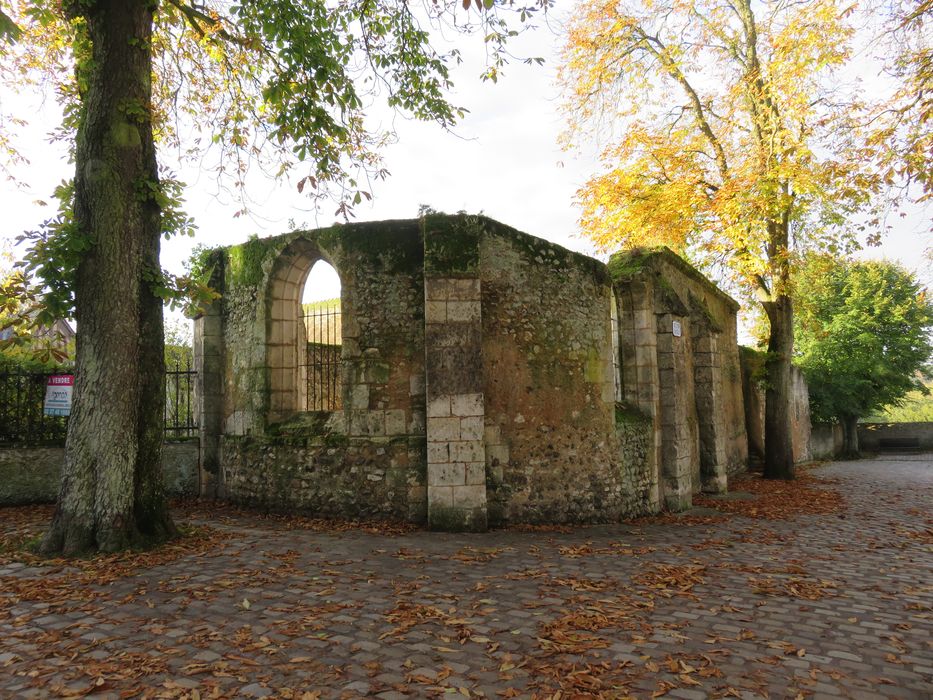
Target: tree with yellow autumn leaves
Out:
[735,136]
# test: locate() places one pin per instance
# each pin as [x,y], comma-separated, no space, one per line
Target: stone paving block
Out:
[508,586]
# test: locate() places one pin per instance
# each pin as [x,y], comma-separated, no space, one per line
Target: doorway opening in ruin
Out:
[321,341]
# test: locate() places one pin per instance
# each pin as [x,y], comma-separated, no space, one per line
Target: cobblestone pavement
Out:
[832,605]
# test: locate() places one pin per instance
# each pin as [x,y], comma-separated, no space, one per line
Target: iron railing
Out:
[320,367]
[23,421]
[180,414]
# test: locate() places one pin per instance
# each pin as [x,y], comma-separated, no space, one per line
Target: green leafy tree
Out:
[863,338]
[278,84]
[915,407]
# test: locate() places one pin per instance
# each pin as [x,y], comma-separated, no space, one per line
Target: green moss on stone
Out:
[305,424]
[593,369]
[626,414]
[392,246]
[669,298]
[245,261]
[451,244]
[628,263]
[539,251]
[702,309]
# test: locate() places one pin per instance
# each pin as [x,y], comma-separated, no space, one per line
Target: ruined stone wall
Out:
[329,475]
[367,457]
[680,367]
[457,497]
[478,379]
[712,316]
[554,452]
[752,364]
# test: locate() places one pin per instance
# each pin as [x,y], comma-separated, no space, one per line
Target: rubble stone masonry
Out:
[479,379]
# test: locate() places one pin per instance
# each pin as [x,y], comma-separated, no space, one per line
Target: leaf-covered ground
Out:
[822,587]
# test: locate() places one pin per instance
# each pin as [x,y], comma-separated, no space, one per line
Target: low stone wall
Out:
[328,475]
[869,434]
[31,474]
[825,440]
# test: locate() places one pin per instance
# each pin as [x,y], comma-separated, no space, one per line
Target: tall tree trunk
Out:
[779,451]
[779,398]
[111,493]
[850,446]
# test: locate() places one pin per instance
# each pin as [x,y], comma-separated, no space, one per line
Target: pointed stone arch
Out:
[286,337]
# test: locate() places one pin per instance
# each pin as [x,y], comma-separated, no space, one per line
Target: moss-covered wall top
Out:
[627,265]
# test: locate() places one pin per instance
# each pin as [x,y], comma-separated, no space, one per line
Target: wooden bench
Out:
[902,444]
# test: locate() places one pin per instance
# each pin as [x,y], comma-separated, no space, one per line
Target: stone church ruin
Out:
[473,376]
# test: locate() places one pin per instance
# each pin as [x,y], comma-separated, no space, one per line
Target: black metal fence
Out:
[321,365]
[23,421]
[180,414]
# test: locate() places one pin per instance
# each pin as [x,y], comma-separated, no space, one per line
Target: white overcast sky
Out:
[503,159]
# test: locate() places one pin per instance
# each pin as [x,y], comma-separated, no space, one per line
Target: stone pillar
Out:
[456,455]
[209,382]
[638,339]
[677,448]
[707,372]
[455,405]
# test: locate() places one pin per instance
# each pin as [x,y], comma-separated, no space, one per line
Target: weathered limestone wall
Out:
[825,440]
[680,366]
[752,377]
[479,379]
[554,450]
[32,474]
[369,456]
[640,380]
[752,363]
[210,362]
[680,447]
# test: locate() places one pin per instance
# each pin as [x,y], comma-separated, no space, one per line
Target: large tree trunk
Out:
[111,493]
[779,404]
[850,436]
[779,398]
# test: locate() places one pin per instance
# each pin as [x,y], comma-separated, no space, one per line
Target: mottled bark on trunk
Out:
[779,452]
[111,492]
[850,447]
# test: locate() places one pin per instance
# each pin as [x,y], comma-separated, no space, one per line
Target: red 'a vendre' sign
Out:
[58,391]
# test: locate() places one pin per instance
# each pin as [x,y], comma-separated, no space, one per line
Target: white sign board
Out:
[58,391]
[676,329]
